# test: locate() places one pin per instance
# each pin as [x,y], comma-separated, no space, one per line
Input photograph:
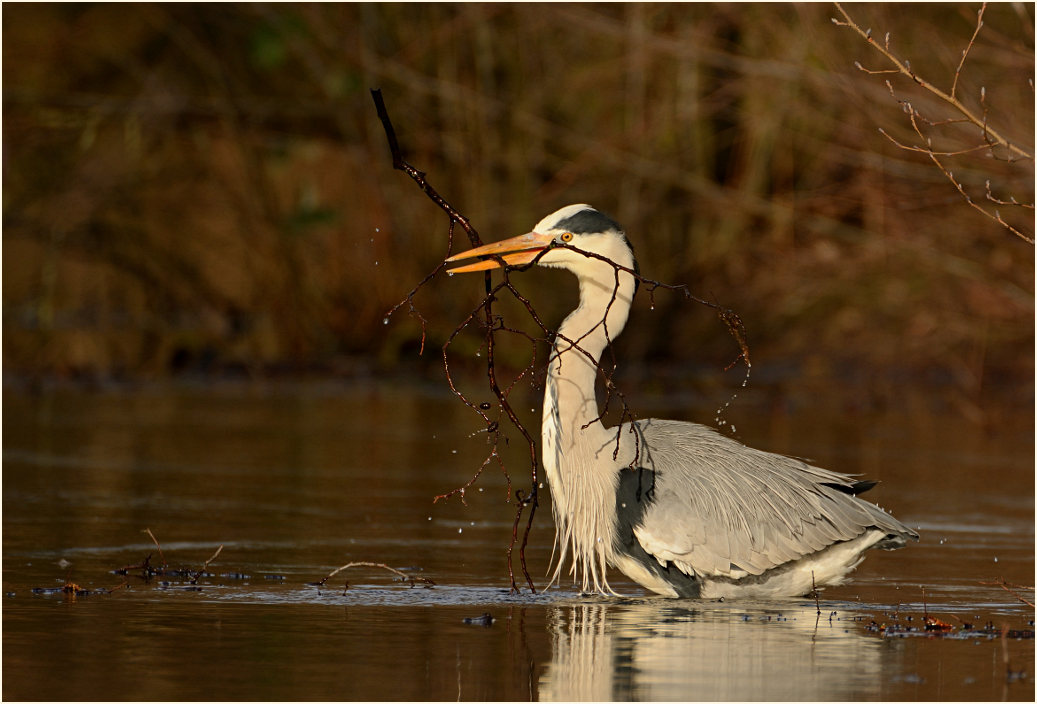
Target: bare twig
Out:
[1011,201]
[990,138]
[965,52]
[813,593]
[905,69]
[155,540]
[493,324]
[1010,589]
[995,215]
[403,575]
[201,572]
[455,216]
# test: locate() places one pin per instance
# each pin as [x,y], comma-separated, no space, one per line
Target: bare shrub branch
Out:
[493,324]
[904,67]
[991,140]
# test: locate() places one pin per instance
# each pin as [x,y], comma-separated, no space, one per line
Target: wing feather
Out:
[720,508]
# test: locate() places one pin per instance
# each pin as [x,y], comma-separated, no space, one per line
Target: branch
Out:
[201,572]
[400,164]
[996,215]
[155,540]
[494,324]
[905,69]
[965,52]
[990,137]
[455,216]
[407,578]
[1001,582]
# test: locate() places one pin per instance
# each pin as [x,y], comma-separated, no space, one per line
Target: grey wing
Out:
[718,508]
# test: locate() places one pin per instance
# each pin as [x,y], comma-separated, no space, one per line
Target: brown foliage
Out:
[205,186]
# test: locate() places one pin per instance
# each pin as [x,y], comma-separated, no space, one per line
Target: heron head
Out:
[562,239]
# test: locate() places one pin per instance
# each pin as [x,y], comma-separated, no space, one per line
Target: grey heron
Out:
[678,507]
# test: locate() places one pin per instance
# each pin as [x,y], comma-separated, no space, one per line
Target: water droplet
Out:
[995,559]
[472,523]
[385,321]
[377,229]
[478,355]
[480,488]
[454,452]
[430,518]
[459,530]
[376,262]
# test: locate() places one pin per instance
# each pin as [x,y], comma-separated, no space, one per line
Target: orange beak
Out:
[514,252]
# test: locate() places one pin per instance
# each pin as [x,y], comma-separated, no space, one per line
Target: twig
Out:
[965,52]
[905,69]
[1011,201]
[813,591]
[996,215]
[1008,588]
[200,572]
[400,164]
[493,324]
[155,540]
[412,580]
[990,138]
[455,216]
[214,556]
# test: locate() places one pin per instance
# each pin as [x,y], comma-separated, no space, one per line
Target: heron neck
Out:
[582,337]
[573,434]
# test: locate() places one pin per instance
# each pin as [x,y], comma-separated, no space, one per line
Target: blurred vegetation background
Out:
[205,188]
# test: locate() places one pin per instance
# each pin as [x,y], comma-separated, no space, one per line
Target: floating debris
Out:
[486,620]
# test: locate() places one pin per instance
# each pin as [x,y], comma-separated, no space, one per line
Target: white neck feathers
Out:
[575,442]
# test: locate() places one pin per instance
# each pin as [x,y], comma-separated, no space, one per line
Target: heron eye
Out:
[567,237]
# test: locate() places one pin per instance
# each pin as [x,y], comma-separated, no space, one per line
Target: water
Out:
[296,481]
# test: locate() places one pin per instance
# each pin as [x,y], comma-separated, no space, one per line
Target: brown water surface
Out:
[294,481]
